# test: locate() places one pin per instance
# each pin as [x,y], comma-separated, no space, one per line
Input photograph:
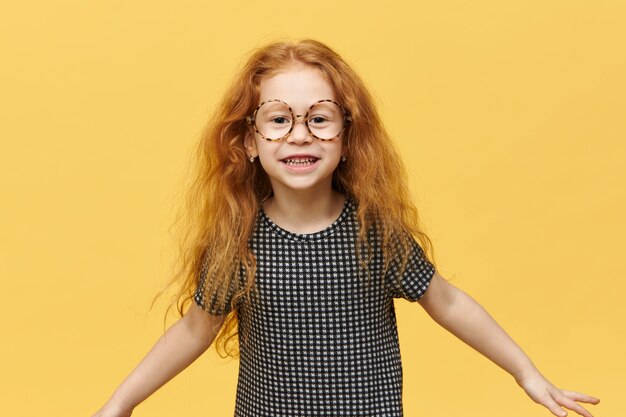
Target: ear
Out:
[250,144]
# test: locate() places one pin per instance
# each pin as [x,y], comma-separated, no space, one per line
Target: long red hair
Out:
[222,202]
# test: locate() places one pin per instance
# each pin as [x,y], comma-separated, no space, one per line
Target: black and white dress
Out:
[320,339]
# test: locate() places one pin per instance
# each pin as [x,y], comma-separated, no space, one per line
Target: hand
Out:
[543,392]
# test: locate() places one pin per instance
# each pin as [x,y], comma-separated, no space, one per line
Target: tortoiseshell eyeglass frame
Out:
[347,119]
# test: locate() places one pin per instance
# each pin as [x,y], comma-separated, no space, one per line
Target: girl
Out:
[303,233]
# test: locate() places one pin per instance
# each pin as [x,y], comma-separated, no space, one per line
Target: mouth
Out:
[299,161]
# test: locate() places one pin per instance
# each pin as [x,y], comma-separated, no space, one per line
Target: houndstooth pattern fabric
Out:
[320,339]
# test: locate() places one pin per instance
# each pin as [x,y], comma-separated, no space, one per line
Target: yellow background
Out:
[510,118]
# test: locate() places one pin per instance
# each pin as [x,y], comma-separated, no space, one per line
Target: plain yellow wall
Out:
[510,118]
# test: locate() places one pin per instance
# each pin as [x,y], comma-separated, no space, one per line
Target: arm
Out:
[181,344]
[461,315]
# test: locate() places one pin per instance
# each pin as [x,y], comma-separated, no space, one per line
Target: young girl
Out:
[304,234]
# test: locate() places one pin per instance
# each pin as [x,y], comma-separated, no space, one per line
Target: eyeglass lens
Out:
[274,120]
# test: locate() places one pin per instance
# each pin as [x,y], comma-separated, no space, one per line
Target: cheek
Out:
[335,149]
[266,150]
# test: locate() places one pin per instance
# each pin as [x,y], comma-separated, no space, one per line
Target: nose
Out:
[300,133]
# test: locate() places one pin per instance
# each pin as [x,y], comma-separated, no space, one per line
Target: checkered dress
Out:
[320,339]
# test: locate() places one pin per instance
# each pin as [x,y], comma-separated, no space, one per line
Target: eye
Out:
[280,120]
[317,120]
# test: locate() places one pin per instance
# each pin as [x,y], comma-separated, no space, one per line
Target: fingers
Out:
[580,397]
[557,399]
[554,407]
[574,406]
[564,398]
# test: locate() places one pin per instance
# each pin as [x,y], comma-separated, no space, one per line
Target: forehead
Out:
[299,86]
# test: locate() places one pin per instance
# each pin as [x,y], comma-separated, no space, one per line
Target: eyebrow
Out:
[271,102]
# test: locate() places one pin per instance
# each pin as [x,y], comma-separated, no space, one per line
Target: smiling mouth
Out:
[299,162]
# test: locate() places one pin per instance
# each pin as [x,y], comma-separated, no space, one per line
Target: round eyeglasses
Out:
[274,120]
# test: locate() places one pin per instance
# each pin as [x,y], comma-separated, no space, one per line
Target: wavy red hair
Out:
[226,191]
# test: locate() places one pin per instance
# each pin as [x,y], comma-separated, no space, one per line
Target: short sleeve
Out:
[211,305]
[412,283]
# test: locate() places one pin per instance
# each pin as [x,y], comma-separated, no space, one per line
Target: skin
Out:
[462,316]
[304,202]
[181,344]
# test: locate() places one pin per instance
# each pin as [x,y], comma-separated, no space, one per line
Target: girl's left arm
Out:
[461,315]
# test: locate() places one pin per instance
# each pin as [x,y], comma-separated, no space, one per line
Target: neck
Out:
[304,211]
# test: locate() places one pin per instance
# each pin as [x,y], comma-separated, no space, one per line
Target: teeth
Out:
[299,161]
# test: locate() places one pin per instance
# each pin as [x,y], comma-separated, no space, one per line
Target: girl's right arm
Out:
[181,344]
